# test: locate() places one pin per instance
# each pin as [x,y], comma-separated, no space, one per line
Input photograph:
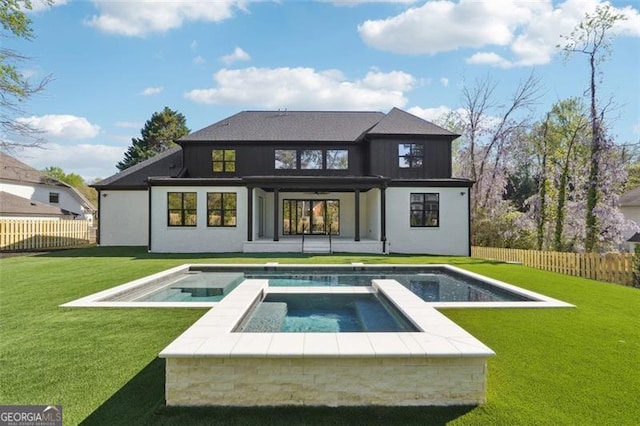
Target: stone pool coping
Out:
[212,335]
[98,299]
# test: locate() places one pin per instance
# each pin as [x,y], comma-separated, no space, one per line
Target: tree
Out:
[490,131]
[15,88]
[592,37]
[158,134]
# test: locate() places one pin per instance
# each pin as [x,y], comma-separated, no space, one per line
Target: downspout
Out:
[99,215]
[469,219]
[383,218]
[149,220]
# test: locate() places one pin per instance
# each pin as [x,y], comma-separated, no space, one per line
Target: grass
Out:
[555,366]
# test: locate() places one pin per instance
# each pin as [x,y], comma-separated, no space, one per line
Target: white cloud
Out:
[128,124]
[143,17]
[88,161]
[198,60]
[528,32]
[305,88]
[444,81]
[359,2]
[435,115]
[489,58]
[150,91]
[194,45]
[62,126]
[237,55]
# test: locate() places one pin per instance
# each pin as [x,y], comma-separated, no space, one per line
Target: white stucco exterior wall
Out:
[450,238]
[200,238]
[67,199]
[124,218]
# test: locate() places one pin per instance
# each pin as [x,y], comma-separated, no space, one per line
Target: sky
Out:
[115,63]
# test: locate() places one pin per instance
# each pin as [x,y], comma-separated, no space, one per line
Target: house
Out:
[27,193]
[291,181]
[630,208]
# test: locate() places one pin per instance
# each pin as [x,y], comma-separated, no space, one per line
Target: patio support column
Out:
[383,218]
[357,214]
[276,220]
[249,213]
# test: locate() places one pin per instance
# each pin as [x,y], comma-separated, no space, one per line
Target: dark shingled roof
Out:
[167,163]
[635,238]
[399,122]
[298,126]
[630,198]
[13,205]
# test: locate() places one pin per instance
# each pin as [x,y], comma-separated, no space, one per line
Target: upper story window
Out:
[221,209]
[224,160]
[410,155]
[311,159]
[424,210]
[182,208]
[54,197]
[286,159]
[337,159]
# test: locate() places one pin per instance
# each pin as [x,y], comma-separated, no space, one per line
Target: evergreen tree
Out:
[158,134]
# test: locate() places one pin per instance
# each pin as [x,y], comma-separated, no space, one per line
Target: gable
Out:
[165,164]
[399,122]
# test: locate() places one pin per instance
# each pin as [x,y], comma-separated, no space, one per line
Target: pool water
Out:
[196,287]
[325,313]
[430,284]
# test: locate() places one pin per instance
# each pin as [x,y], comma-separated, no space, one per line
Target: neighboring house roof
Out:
[399,122]
[294,126]
[635,238]
[12,169]
[13,205]
[167,163]
[630,198]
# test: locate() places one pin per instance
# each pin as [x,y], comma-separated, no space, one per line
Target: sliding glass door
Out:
[318,217]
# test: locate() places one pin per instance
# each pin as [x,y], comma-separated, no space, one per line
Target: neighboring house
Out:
[630,208]
[27,193]
[258,180]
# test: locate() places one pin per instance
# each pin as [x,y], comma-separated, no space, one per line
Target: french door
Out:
[318,217]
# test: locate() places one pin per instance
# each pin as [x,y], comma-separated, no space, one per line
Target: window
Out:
[224,160]
[424,210]
[410,155]
[221,209]
[54,197]
[337,159]
[286,159]
[311,159]
[182,208]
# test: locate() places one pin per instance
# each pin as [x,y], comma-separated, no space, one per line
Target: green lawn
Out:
[556,366]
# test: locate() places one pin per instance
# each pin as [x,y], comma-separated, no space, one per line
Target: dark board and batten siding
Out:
[258,159]
[378,157]
[383,159]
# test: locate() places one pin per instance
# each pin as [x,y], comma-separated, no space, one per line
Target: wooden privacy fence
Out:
[18,234]
[609,267]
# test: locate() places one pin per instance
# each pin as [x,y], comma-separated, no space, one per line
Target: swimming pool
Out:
[434,362]
[206,285]
[324,313]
